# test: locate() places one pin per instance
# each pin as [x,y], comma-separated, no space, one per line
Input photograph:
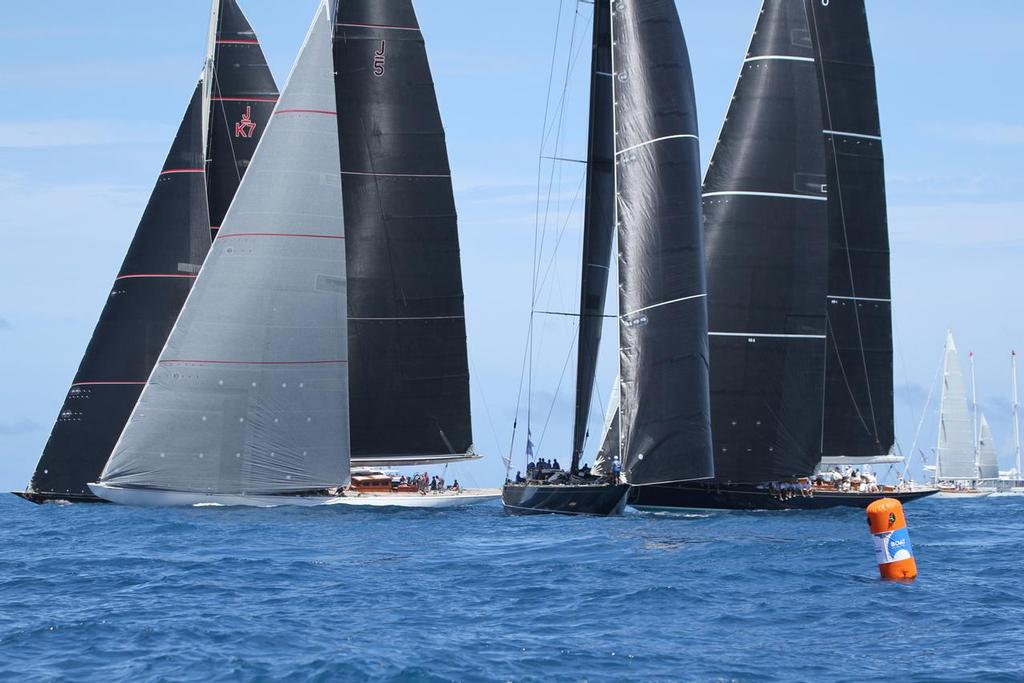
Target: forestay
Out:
[250,393]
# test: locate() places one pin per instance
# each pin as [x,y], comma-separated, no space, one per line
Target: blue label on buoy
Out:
[893,546]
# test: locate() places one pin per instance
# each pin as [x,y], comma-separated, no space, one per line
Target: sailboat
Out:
[223,123]
[337,251]
[957,452]
[643,181]
[798,273]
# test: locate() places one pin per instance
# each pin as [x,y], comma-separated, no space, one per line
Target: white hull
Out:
[962,494]
[155,498]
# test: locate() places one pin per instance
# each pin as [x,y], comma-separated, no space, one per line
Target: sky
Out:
[91,102]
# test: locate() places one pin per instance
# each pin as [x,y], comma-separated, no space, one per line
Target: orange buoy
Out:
[892,541]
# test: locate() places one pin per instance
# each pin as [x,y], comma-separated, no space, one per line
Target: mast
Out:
[599,224]
[857,415]
[209,66]
[410,400]
[663,359]
[250,394]
[166,252]
[766,224]
[240,96]
[974,412]
[1016,413]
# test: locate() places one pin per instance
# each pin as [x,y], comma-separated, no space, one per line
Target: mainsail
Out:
[858,407]
[250,393]
[240,95]
[954,454]
[988,459]
[766,218]
[599,223]
[166,253]
[663,359]
[407,332]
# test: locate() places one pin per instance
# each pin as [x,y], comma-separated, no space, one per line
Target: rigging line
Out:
[576,315]
[554,400]
[536,223]
[846,381]
[483,398]
[924,414]
[573,161]
[842,214]
[561,233]
[224,113]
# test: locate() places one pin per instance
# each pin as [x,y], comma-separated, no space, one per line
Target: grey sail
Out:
[250,392]
[988,459]
[609,448]
[858,407]
[407,328]
[665,428]
[598,226]
[766,227]
[954,453]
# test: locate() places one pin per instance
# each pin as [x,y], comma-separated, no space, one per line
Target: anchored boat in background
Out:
[643,179]
[798,273]
[216,139]
[341,245]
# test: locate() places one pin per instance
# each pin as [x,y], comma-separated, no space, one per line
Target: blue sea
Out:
[116,594]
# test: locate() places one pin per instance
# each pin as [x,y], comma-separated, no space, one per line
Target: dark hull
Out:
[40,498]
[601,500]
[748,497]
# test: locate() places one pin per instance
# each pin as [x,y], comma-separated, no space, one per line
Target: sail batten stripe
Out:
[679,136]
[393,28]
[107,384]
[171,171]
[783,58]
[398,175]
[269,100]
[858,298]
[223,41]
[424,317]
[852,135]
[305,111]
[280,234]
[138,276]
[665,303]
[767,334]
[777,195]
[178,361]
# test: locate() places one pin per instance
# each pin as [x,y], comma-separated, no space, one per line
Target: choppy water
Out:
[103,592]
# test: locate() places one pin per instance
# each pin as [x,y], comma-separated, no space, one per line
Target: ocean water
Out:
[111,593]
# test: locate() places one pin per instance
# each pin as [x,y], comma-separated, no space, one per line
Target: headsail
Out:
[407,332]
[169,246]
[766,224]
[954,453]
[241,95]
[599,223]
[250,393]
[988,459]
[858,405]
[663,360]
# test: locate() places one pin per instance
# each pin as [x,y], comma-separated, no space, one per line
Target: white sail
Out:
[955,450]
[988,460]
[250,394]
[609,448]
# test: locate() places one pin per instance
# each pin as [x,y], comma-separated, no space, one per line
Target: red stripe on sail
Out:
[108,384]
[279,234]
[147,275]
[183,170]
[255,362]
[306,111]
[243,99]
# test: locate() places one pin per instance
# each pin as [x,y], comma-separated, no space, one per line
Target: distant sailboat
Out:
[988,460]
[956,467]
[250,402]
[199,178]
[643,179]
[798,271]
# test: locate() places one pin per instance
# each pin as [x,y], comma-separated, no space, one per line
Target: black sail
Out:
[665,423]
[599,222]
[858,405]
[242,97]
[409,372]
[766,225]
[168,249]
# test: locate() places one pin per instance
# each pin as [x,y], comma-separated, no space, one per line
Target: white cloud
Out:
[986,133]
[18,427]
[5,325]
[64,133]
